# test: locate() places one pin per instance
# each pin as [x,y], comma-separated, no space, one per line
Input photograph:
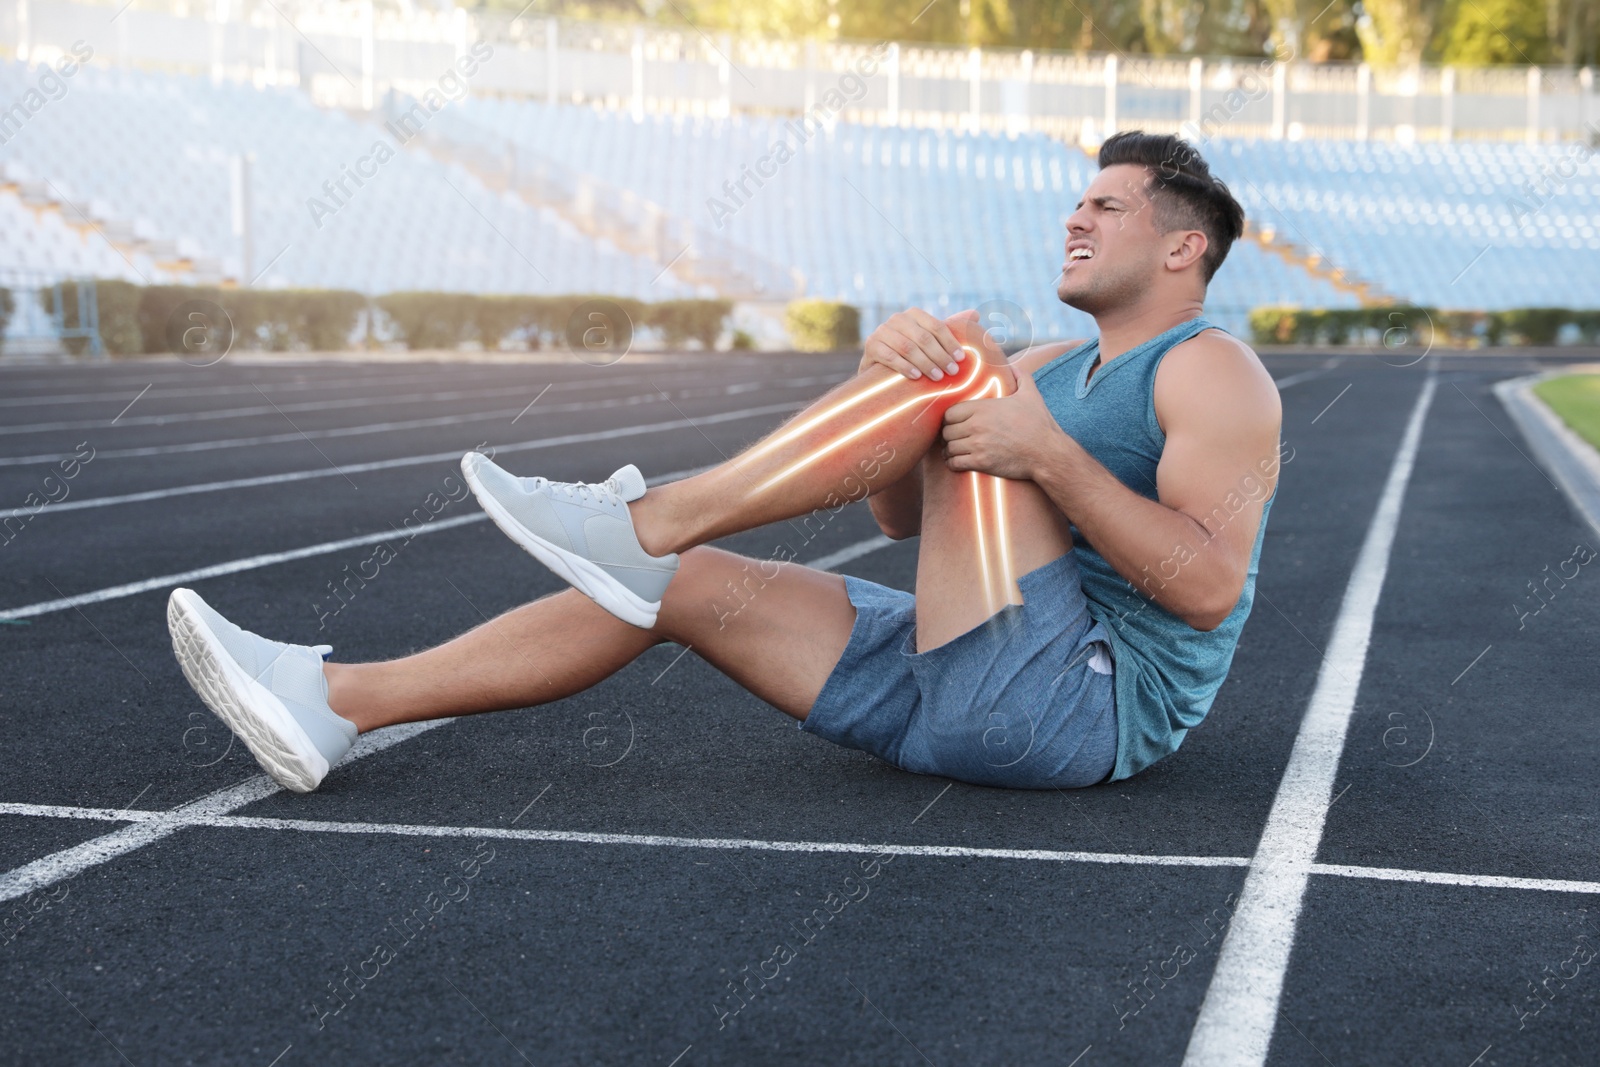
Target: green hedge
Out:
[135,319]
[823,325]
[1395,325]
[689,320]
[7,303]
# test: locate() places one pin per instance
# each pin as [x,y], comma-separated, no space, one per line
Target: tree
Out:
[1479,33]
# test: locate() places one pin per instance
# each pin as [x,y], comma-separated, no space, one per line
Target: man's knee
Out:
[711,584]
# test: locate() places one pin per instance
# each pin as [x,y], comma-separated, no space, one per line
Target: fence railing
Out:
[348,54]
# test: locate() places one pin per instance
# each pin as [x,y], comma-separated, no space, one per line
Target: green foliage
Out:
[291,320]
[742,341]
[1480,33]
[1419,328]
[136,320]
[685,320]
[822,325]
[1385,33]
[432,320]
[118,304]
[7,303]
[1528,326]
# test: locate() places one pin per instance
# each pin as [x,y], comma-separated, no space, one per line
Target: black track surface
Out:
[212,945]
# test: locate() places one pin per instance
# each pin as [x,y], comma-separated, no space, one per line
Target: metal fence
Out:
[347,54]
[49,316]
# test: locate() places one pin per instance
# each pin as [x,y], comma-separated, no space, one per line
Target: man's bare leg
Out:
[563,644]
[951,595]
[863,435]
[781,644]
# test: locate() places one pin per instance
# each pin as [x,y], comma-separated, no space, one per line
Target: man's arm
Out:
[1190,549]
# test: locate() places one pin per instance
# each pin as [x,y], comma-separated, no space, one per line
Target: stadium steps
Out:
[134,240]
[601,211]
[1313,263]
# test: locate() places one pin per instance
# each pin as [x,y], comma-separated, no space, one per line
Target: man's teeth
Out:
[1081,253]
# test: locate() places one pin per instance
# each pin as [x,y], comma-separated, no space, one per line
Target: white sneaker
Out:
[581,531]
[272,695]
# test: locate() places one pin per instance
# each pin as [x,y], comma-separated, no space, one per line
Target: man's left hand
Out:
[1008,437]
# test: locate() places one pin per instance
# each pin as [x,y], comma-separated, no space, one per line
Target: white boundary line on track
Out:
[250,563]
[679,380]
[121,394]
[295,407]
[582,837]
[1240,1011]
[209,819]
[403,461]
[57,866]
[1293,380]
[368,429]
[217,570]
[850,552]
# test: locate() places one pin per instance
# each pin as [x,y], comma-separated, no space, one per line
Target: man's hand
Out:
[1008,437]
[915,344]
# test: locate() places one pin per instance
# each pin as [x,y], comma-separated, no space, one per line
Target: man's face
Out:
[1113,250]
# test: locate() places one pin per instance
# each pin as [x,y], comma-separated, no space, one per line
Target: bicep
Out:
[1220,462]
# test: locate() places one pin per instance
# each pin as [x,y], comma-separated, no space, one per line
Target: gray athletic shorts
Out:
[1024,700]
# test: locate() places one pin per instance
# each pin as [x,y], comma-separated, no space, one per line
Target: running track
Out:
[1381,847]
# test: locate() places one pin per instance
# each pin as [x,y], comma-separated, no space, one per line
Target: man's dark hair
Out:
[1185,195]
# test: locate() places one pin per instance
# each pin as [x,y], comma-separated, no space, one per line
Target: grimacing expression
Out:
[1113,250]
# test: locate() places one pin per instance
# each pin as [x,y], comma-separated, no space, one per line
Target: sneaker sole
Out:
[582,574]
[243,704]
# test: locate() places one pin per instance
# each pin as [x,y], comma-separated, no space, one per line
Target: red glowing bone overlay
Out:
[974,366]
[993,543]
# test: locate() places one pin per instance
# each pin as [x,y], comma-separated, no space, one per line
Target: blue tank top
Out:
[1167,672]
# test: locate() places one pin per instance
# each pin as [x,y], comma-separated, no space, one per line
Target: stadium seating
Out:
[878,216]
[1414,218]
[152,152]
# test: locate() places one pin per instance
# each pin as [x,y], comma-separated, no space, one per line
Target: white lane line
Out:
[1478,881]
[637,400]
[222,820]
[850,552]
[240,413]
[1333,870]
[1237,1018]
[117,392]
[1307,375]
[379,400]
[217,570]
[403,461]
[58,866]
[50,869]
[269,559]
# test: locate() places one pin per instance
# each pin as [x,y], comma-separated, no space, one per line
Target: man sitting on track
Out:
[1091,516]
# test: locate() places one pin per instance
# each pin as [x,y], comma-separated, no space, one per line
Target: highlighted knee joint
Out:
[977,380]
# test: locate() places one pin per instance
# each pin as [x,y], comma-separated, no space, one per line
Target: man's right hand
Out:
[915,344]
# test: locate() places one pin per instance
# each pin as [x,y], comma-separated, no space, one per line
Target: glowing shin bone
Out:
[995,565]
[974,365]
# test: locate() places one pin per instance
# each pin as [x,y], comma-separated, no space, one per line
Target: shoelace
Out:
[582,490]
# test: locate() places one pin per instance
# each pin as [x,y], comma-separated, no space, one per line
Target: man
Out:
[1090,514]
